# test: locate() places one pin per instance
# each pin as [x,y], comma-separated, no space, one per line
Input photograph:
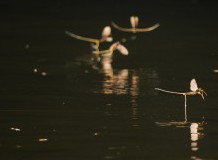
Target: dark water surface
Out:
[69,108]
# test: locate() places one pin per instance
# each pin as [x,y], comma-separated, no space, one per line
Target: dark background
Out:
[182,21]
[68,107]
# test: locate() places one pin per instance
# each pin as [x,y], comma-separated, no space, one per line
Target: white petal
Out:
[193,85]
[106,31]
[134,20]
[122,49]
[114,46]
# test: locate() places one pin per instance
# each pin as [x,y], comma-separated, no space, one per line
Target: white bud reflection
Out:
[134,92]
[115,82]
[196,133]
[122,83]
[127,82]
[194,136]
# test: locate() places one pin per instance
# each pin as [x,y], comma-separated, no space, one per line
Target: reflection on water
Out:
[194,136]
[176,124]
[134,92]
[127,82]
[114,152]
[115,83]
[196,133]
[123,82]
[133,84]
[181,124]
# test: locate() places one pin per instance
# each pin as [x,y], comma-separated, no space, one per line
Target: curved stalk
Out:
[96,41]
[134,30]
[181,93]
[121,28]
[148,29]
[185,108]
